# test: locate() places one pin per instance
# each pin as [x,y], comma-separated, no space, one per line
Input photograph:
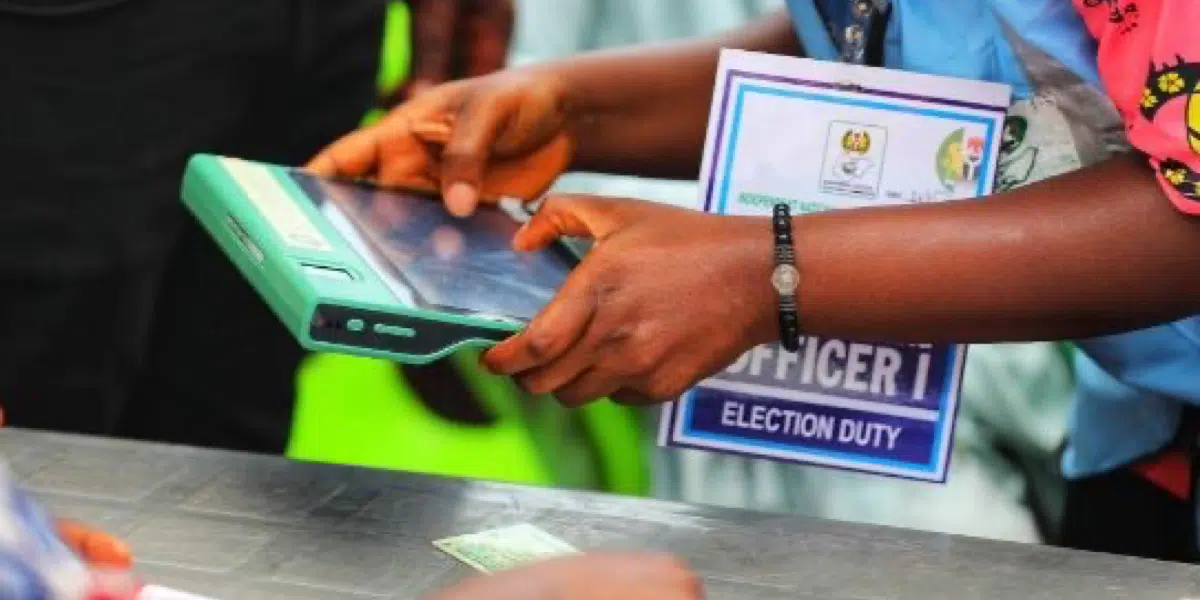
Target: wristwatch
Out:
[786,279]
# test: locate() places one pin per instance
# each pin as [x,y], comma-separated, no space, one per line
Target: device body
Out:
[319,283]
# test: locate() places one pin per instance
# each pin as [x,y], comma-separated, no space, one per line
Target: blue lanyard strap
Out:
[810,26]
[840,30]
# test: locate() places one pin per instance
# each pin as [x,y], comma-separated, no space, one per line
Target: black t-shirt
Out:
[54,8]
[108,98]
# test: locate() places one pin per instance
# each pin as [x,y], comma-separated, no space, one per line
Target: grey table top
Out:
[239,527]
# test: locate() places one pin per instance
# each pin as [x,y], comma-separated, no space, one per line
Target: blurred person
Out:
[551,29]
[455,39]
[1096,252]
[221,371]
[41,561]
[633,575]
[99,117]
[547,29]
[56,559]
[110,292]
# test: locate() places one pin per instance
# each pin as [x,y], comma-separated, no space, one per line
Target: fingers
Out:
[557,328]
[564,215]
[576,377]
[593,366]
[561,343]
[469,149]
[406,163]
[392,145]
[433,131]
[589,386]
[354,155]
[95,547]
[608,362]
[514,175]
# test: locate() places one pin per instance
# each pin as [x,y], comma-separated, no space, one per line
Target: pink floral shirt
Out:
[1150,63]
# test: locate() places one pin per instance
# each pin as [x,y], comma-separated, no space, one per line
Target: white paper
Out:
[154,592]
[275,205]
[824,136]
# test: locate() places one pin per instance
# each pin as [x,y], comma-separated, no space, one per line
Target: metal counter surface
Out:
[239,527]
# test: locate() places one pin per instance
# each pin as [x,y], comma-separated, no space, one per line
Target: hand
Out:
[92,545]
[504,135]
[95,547]
[665,298]
[457,38]
[586,577]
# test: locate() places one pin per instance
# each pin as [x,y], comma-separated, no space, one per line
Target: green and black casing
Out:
[268,227]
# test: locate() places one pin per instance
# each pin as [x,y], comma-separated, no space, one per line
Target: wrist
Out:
[591,111]
[755,293]
[579,117]
[572,114]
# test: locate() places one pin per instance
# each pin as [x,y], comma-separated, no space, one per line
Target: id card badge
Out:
[825,136]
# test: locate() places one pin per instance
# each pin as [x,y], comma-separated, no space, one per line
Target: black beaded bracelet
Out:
[786,279]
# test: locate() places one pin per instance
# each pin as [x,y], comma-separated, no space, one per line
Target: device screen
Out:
[430,258]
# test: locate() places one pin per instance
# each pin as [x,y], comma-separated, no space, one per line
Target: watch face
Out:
[786,279]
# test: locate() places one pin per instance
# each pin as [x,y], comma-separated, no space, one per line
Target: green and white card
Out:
[505,548]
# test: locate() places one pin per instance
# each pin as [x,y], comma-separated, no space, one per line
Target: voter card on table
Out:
[821,136]
[505,548]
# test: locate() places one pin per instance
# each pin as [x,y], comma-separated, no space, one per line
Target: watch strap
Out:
[785,258]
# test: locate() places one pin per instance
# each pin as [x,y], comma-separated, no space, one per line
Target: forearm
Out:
[643,111]
[1097,251]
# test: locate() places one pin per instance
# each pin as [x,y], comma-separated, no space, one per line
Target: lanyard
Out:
[849,31]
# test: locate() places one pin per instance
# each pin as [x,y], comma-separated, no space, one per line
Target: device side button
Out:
[394,330]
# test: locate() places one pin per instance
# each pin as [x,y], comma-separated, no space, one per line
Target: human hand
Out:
[453,39]
[665,298]
[503,135]
[95,547]
[586,577]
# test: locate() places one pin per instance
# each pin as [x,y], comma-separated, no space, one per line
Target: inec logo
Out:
[856,142]
[853,163]
[958,159]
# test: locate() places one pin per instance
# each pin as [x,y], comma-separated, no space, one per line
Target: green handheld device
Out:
[355,269]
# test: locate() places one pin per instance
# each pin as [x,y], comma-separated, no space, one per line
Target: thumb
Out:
[468,151]
[571,215]
[434,131]
[354,155]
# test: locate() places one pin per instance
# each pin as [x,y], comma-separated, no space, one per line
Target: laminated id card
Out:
[827,136]
[356,269]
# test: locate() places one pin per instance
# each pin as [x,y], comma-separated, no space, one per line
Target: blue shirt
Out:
[1132,387]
